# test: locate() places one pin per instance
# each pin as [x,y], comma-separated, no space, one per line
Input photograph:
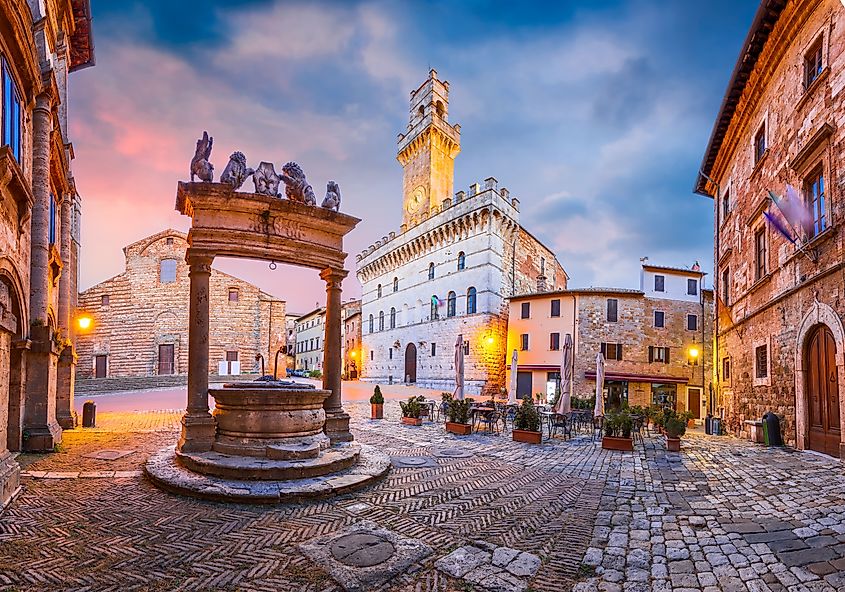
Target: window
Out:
[659,319]
[760,253]
[760,143]
[167,271]
[392,317]
[523,342]
[466,348]
[555,308]
[396,284]
[612,309]
[462,261]
[431,271]
[611,351]
[53,210]
[814,198]
[433,349]
[726,369]
[451,300]
[726,286]
[813,63]
[169,240]
[726,204]
[372,352]
[526,310]
[554,341]
[11,110]
[659,283]
[542,266]
[434,303]
[471,294]
[692,287]
[761,361]
[104,300]
[378,291]
[390,353]
[371,323]
[692,322]
[381,321]
[233,295]
[658,354]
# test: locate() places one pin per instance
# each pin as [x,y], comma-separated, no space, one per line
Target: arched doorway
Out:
[821,392]
[411,363]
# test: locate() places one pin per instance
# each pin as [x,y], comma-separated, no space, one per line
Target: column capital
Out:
[199,263]
[333,277]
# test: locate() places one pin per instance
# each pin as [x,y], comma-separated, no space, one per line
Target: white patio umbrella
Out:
[512,389]
[599,409]
[459,368]
[564,401]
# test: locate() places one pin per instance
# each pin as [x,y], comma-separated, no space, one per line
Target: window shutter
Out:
[667,354]
[604,349]
[650,354]
[618,351]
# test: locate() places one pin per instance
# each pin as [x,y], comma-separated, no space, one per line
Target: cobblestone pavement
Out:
[722,515]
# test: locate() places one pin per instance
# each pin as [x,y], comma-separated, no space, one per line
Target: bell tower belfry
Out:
[427,151]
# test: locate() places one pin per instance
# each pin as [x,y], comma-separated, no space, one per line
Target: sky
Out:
[594,113]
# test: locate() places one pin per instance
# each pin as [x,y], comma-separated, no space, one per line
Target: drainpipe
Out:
[717,285]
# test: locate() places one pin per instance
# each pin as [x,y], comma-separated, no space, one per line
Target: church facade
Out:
[446,275]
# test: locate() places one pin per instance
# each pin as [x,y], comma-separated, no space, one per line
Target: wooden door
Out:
[694,396]
[100,366]
[524,385]
[165,358]
[411,363]
[822,393]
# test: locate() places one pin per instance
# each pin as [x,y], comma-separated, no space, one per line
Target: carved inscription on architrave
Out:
[278,226]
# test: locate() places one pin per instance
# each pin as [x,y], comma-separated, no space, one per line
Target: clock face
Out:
[416,201]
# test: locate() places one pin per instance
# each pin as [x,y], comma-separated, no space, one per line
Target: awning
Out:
[549,367]
[638,377]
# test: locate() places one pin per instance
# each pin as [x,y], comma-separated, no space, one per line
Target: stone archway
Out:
[819,314]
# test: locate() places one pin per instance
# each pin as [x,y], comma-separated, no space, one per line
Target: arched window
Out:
[450,304]
[462,261]
[471,301]
[396,284]
[392,318]
[371,323]
[379,291]
[434,302]
[381,321]
[431,271]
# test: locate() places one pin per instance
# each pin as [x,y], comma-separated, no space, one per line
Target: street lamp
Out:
[84,322]
[693,353]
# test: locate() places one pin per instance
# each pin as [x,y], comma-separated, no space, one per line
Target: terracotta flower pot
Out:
[673,444]
[377,410]
[614,443]
[414,421]
[691,423]
[461,429]
[527,436]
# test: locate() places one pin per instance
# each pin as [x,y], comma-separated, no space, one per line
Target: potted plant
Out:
[617,432]
[411,411]
[457,412]
[675,425]
[526,423]
[377,404]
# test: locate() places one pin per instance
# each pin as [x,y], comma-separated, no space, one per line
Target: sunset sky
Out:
[595,114]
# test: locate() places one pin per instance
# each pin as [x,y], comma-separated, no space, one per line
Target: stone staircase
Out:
[101,386]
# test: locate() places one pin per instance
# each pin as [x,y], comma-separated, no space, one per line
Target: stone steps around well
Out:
[99,386]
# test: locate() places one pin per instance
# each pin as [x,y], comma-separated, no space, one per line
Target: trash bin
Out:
[708,424]
[771,423]
[89,414]
[716,426]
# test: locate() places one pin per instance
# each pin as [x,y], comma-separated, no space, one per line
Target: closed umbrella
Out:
[564,401]
[512,389]
[599,410]
[459,368]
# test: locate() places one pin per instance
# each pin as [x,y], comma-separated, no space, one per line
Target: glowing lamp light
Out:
[353,353]
[490,340]
[84,323]
[693,352]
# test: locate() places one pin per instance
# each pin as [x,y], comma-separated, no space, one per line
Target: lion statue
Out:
[332,199]
[296,186]
[236,172]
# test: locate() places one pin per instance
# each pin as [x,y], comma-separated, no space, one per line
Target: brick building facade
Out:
[779,334]
[656,340]
[449,269]
[310,336]
[40,44]
[140,317]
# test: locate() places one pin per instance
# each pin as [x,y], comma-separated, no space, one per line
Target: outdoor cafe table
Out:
[481,410]
[546,416]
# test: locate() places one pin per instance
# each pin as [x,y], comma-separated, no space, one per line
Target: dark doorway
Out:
[231,356]
[165,358]
[100,366]
[694,396]
[617,393]
[411,363]
[822,392]
[524,385]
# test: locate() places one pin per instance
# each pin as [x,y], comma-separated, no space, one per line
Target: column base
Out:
[198,432]
[10,478]
[68,422]
[42,438]
[337,427]
[842,450]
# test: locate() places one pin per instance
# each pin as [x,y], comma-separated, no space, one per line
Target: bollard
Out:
[89,414]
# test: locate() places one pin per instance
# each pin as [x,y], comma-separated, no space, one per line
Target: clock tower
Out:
[427,151]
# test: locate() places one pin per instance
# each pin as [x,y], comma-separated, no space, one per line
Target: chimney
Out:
[541,283]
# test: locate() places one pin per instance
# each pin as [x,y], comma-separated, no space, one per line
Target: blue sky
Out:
[595,114]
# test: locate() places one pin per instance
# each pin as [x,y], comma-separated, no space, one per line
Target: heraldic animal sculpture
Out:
[332,199]
[236,172]
[296,186]
[200,166]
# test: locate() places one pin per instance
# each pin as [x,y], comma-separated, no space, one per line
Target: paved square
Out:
[721,515]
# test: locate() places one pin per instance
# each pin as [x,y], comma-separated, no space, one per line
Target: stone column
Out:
[337,421]
[67,360]
[41,431]
[198,425]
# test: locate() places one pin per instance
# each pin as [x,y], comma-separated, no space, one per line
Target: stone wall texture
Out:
[143,313]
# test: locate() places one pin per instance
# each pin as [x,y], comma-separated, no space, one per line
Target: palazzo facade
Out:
[450,268]
[780,340]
